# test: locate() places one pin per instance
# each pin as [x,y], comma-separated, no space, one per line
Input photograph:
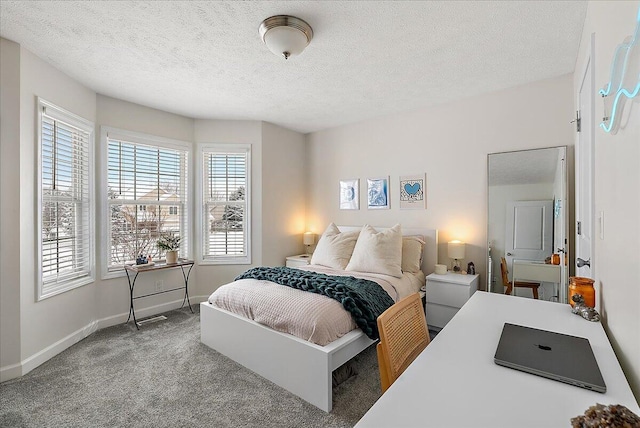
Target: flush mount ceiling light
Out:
[285,35]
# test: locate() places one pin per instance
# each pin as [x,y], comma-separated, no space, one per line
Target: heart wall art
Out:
[413,192]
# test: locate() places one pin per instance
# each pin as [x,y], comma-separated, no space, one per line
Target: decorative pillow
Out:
[378,252]
[334,248]
[412,247]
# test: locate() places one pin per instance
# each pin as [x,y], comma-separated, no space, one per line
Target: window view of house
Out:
[146,197]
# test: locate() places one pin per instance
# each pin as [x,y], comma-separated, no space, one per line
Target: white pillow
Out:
[378,252]
[334,248]
[412,247]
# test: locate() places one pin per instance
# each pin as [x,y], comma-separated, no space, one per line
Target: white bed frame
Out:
[296,365]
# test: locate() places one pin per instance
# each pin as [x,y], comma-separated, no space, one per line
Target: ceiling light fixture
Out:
[285,35]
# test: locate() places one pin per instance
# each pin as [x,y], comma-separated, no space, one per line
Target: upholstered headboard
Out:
[430,256]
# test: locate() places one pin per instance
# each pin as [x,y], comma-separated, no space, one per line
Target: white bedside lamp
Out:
[308,239]
[455,250]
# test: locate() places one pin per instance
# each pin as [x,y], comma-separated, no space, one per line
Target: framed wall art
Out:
[412,192]
[378,193]
[350,194]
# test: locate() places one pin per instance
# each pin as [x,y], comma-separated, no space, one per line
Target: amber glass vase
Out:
[584,286]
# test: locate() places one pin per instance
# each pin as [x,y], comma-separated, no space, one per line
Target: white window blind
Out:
[146,196]
[65,172]
[226,196]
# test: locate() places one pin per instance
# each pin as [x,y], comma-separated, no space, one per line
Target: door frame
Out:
[588,79]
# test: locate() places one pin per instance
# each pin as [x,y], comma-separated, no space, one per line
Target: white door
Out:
[584,175]
[529,234]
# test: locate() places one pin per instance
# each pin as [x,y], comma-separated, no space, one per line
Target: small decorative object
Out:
[169,243]
[471,268]
[378,193]
[584,287]
[412,191]
[455,250]
[141,260]
[350,194]
[441,269]
[583,310]
[613,415]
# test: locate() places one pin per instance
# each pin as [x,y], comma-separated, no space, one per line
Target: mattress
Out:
[309,316]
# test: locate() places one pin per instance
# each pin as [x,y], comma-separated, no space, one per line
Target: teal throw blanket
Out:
[364,299]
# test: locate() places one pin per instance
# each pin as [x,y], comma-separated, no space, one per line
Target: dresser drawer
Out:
[448,294]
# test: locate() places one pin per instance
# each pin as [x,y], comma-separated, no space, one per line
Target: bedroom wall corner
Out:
[9,210]
[284,189]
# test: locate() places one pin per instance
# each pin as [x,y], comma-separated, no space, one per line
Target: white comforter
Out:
[309,316]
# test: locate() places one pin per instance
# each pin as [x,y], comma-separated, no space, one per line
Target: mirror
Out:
[528,223]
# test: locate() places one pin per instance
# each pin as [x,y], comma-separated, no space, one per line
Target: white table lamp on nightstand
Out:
[455,250]
[308,239]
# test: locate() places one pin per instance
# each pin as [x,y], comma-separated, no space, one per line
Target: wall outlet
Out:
[159,285]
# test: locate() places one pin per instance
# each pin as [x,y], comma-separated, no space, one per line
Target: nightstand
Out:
[446,294]
[297,261]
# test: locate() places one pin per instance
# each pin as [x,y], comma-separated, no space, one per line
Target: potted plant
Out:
[169,243]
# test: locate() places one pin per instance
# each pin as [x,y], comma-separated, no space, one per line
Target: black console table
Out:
[184,265]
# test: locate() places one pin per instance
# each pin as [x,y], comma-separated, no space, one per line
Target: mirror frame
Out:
[566,207]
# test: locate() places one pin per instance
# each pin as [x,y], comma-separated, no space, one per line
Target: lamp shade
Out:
[285,35]
[455,250]
[308,238]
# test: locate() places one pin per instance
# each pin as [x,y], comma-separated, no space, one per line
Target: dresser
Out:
[445,295]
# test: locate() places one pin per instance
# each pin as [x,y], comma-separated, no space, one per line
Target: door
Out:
[584,173]
[529,232]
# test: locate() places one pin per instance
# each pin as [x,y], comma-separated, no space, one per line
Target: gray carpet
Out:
[162,376]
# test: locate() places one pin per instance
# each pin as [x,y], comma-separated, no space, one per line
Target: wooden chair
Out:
[505,281]
[403,335]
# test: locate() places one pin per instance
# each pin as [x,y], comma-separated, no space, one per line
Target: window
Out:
[65,215]
[225,210]
[146,188]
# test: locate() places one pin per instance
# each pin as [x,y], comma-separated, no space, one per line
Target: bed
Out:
[301,367]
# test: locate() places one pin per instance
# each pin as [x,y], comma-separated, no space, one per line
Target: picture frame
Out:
[350,194]
[378,193]
[413,193]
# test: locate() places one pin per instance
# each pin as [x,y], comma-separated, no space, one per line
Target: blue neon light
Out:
[622,49]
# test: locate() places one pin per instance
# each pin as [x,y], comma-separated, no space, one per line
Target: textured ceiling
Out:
[523,167]
[367,59]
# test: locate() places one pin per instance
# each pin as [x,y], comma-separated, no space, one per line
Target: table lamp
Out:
[308,239]
[455,250]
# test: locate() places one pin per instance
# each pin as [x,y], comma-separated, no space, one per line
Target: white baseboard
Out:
[147,312]
[10,372]
[25,366]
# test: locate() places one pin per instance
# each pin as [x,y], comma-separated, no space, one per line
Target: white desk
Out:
[536,271]
[455,383]
[539,271]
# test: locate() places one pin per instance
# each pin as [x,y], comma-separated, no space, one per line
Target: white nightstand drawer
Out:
[448,294]
[438,316]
